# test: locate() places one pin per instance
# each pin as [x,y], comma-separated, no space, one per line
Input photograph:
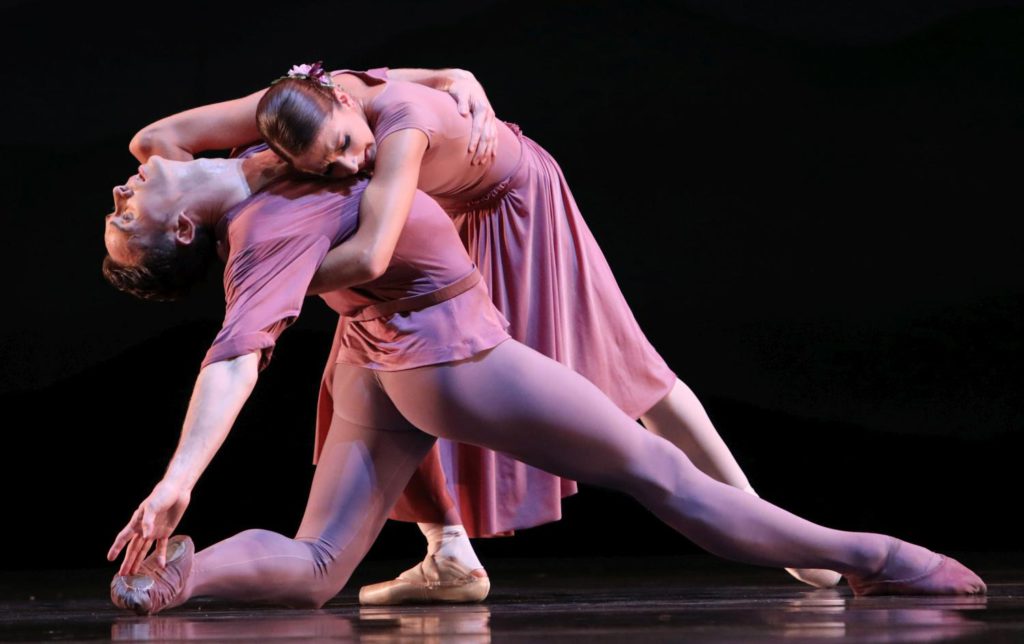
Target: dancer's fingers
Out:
[475,134]
[129,555]
[148,525]
[161,552]
[487,154]
[137,551]
[120,542]
[124,536]
[480,113]
[492,144]
[147,545]
[463,103]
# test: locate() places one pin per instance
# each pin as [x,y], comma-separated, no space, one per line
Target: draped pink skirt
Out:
[547,275]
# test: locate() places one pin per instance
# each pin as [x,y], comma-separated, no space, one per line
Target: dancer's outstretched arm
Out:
[224,125]
[218,126]
[220,391]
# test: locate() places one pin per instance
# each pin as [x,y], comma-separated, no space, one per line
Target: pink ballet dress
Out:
[545,273]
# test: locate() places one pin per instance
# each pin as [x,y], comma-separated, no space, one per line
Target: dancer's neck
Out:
[361,92]
[207,188]
[211,187]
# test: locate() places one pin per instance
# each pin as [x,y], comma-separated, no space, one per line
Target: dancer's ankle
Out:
[432,532]
[873,557]
[451,541]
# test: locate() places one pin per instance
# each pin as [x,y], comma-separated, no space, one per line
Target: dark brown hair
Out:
[166,270]
[291,113]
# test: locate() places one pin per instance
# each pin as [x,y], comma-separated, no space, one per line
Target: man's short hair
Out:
[165,270]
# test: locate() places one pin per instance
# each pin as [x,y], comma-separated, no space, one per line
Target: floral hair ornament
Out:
[314,72]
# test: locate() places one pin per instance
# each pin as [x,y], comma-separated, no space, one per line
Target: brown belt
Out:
[415,302]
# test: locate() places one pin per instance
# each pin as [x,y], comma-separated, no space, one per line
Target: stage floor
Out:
[691,599]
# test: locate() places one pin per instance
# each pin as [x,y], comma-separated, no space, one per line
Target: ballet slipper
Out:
[435,579]
[942,576]
[817,577]
[153,589]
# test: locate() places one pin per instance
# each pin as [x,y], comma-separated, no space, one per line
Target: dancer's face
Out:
[145,208]
[344,146]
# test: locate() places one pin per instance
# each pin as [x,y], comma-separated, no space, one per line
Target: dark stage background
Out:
[812,207]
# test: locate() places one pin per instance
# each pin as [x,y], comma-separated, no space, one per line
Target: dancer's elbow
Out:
[240,372]
[370,264]
[143,144]
[154,140]
[374,268]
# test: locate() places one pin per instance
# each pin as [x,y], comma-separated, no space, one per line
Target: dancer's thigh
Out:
[515,400]
[368,456]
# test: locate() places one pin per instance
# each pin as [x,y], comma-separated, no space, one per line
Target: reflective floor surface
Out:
[582,600]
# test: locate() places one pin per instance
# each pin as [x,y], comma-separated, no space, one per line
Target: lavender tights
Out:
[515,400]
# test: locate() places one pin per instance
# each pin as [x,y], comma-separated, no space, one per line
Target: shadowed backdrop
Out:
[813,211]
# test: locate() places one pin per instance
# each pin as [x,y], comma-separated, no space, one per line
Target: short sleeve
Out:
[264,287]
[408,112]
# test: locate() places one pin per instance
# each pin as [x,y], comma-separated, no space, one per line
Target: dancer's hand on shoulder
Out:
[153,523]
[471,98]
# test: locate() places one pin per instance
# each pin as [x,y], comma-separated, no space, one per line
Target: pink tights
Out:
[510,399]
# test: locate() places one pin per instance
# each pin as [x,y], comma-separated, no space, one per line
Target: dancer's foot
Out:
[817,577]
[153,589]
[913,570]
[435,579]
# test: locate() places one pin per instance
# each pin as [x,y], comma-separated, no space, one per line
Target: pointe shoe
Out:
[435,579]
[153,589]
[817,577]
[944,576]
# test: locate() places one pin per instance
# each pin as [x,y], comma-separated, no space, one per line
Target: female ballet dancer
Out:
[543,268]
[420,352]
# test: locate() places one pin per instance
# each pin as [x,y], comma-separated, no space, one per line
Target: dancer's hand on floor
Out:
[471,98]
[153,522]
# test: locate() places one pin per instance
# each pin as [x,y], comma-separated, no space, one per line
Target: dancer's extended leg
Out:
[681,419]
[517,401]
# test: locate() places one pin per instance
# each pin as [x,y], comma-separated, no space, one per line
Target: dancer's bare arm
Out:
[181,136]
[224,125]
[219,394]
[383,210]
